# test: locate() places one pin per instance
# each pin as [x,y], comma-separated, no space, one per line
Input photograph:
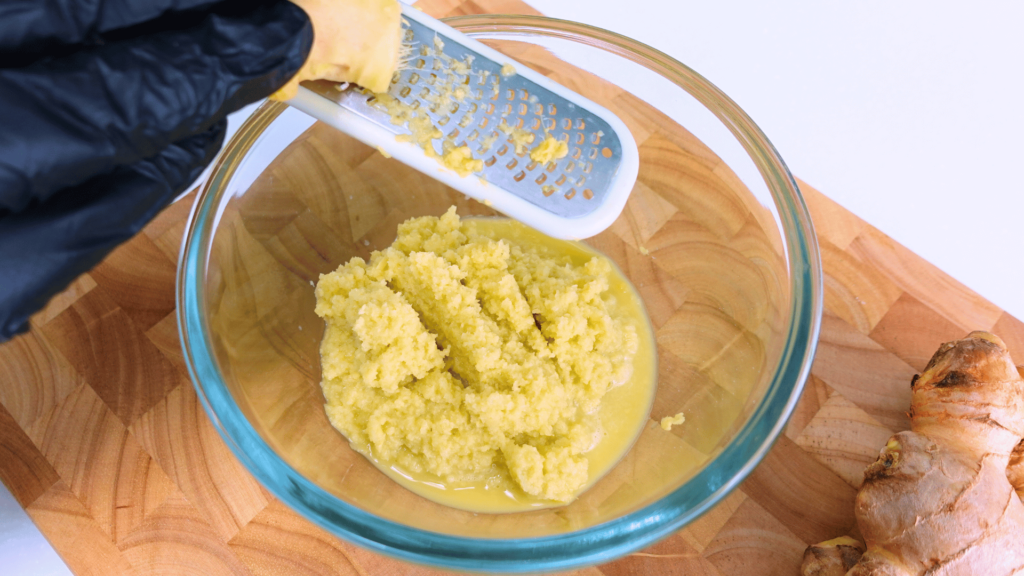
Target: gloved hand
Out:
[107,111]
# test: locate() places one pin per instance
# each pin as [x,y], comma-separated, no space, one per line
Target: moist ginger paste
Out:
[549,149]
[469,361]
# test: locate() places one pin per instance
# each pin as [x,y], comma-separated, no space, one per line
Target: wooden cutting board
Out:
[103,441]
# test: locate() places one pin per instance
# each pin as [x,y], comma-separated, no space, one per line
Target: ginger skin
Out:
[1015,470]
[835,556]
[944,498]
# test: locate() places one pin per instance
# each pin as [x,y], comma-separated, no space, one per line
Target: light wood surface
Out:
[104,443]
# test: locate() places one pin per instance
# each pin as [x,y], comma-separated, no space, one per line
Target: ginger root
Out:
[357,41]
[1015,470]
[944,498]
[835,556]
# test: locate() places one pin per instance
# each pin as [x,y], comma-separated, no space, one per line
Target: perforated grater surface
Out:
[573,197]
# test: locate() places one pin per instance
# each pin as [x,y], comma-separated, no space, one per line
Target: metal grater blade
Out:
[571,187]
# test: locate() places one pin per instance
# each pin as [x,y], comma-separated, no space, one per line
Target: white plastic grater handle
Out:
[371,133]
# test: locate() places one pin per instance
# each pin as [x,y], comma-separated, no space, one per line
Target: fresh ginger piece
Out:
[942,498]
[831,558]
[356,41]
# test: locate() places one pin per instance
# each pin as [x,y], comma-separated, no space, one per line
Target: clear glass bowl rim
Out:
[594,545]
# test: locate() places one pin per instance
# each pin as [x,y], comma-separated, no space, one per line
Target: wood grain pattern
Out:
[925,282]
[910,329]
[71,529]
[182,441]
[753,541]
[103,344]
[103,441]
[176,539]
[862,370]
[37,376]
[844,438]
[100,462]
[276,542]
[788,480]
[23,468]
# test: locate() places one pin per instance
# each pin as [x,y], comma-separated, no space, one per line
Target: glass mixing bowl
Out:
[715,237]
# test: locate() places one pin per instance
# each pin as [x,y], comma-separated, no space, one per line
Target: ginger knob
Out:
[358,41]
[944,498]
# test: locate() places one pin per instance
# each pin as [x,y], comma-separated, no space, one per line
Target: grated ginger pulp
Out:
[448,88]
[549,149]
[471,358]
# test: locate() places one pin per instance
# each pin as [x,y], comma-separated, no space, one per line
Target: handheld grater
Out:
[573,197]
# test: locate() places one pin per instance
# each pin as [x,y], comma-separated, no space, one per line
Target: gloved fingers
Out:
[30,28]
[47,245]
[69,119]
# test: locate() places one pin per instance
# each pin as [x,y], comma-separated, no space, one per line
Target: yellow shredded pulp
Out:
[669,421]
[520,138]
[488,141]
[550,149]
[423,131]
[449,87]
[460,159]
[472,358]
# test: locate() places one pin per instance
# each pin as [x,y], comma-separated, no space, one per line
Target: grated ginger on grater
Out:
[449,78]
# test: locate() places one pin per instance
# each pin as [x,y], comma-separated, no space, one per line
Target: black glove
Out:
[107,111]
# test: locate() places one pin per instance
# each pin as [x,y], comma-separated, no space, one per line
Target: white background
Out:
[910,114]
